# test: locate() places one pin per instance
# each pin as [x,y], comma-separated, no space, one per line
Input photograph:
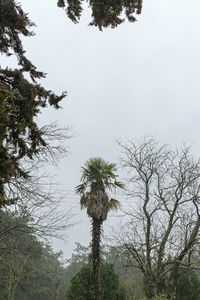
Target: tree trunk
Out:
[173,281]
[96,239]
[151,290]
[56,291]
[172,292]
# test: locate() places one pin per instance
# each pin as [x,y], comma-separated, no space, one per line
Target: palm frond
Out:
[97,177]
[114,204]
[119,184]
[81,188]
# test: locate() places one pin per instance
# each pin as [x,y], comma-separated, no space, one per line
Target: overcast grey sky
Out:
[138,79]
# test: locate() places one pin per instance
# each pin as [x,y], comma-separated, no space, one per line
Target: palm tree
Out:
[98,176]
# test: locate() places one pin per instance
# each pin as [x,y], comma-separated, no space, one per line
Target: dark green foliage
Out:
[21,99]
[81,284]
[107,13]
[79,258]
[15,22]
[44,279]
[129,277]
[188,286]
[20,251]
[28,270]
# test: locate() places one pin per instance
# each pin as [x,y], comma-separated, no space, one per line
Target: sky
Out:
[133,81]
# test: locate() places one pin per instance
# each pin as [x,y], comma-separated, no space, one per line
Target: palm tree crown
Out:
[98,176]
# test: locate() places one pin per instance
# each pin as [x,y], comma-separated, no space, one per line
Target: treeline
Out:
[124,277]
[29,269]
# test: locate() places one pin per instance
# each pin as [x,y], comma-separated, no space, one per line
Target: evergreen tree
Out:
[107,13]
[81,284]
[21,100]
[188,286]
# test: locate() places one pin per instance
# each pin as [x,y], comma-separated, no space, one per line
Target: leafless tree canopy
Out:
[39,209]
[37,198]
[162,231]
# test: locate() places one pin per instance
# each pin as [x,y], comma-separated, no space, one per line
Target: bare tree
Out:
[161,231]
[40,203]
[36,197]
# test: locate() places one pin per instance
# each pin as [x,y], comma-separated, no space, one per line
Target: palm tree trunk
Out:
[96,239]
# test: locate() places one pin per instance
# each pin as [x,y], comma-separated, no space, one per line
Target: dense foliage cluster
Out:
[81,284]
[107,13]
